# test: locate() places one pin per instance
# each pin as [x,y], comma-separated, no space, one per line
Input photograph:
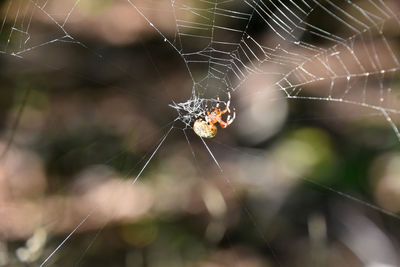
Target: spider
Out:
[207,128]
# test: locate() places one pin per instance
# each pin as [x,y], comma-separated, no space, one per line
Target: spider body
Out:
[204,129]
[207,128]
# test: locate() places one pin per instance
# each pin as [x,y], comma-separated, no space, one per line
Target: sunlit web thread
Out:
[228,62]
[318,184]
[350,58]
[233,189]
[82,222]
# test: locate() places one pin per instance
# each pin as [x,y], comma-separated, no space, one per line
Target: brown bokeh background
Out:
[303,182]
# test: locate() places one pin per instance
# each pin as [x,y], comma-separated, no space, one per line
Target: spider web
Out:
[353,66]
[224,43]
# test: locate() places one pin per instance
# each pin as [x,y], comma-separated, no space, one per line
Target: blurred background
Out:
[303,183]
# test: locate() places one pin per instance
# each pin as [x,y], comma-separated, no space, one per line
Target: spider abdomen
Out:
[204,129]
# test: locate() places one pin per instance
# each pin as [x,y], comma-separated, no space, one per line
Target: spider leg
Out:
[229,120]
[207,117]
[229,102]
[216,115]
[222,123]
[223,111]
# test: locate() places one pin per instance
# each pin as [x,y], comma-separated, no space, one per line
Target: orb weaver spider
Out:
[207,128]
